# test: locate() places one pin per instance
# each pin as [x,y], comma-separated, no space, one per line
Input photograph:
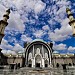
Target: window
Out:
[70,64]
[57,64]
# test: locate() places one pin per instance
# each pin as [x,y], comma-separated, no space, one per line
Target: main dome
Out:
[38,40]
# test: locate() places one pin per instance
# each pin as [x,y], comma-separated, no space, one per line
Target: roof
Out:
[55,52]
[38,40]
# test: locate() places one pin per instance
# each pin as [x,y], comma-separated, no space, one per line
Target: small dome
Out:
[38,40]
[55,52]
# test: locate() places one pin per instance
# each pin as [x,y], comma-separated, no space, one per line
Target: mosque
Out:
[38,53]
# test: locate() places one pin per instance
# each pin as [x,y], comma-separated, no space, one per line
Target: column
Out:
[50,57]
[33,50]
[43,51]
[43,64]
[34,63]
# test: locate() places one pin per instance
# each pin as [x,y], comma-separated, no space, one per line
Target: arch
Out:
[38,51]
[38,61]
[38,42]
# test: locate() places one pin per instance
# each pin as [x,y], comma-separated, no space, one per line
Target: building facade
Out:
[38,54]
[60,60]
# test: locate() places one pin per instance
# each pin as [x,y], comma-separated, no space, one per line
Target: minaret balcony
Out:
[4,22]
[70,23]
[69,15]
[6,16]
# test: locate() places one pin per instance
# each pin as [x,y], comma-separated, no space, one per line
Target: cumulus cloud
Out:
[39,6]
[4,45]
[19,16]
[60,46]
[15,23]
[71,48]
[63,33]
[18,48]
[9,52]
[46,27]
[26,38]
[2,8]
[38,33]
[9,49]
[63,2]
[30,5]
[58,15]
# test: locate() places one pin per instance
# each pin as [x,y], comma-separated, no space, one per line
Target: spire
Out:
[72,20]
[4,23]
[8,11]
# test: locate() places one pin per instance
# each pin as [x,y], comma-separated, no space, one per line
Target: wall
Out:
[63,60]
[16,60]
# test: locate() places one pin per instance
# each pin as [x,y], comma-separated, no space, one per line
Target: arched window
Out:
[46,55]
[38,51]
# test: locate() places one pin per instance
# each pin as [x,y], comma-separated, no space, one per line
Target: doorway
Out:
[30,63]
[37,64]
[46,63]
[38,61]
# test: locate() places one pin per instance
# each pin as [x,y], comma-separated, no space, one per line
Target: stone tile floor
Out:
[24,71]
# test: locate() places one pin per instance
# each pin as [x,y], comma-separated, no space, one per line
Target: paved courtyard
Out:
[25,71]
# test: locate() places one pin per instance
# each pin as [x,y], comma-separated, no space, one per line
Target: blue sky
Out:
[37,19]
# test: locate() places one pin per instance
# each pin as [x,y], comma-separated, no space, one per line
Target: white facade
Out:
[38,54]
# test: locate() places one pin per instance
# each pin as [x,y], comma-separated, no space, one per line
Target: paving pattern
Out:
[25,71]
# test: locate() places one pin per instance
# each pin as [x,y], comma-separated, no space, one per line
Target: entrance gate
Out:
[38,61]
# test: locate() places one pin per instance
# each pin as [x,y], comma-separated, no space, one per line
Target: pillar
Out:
[43,64]
[42,51]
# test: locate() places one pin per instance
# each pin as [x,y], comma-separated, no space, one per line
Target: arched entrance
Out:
[38,61]
[38,52]
[30,63]
[46,63]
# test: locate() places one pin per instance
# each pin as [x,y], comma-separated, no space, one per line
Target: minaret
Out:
[3,24]
[72,20]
